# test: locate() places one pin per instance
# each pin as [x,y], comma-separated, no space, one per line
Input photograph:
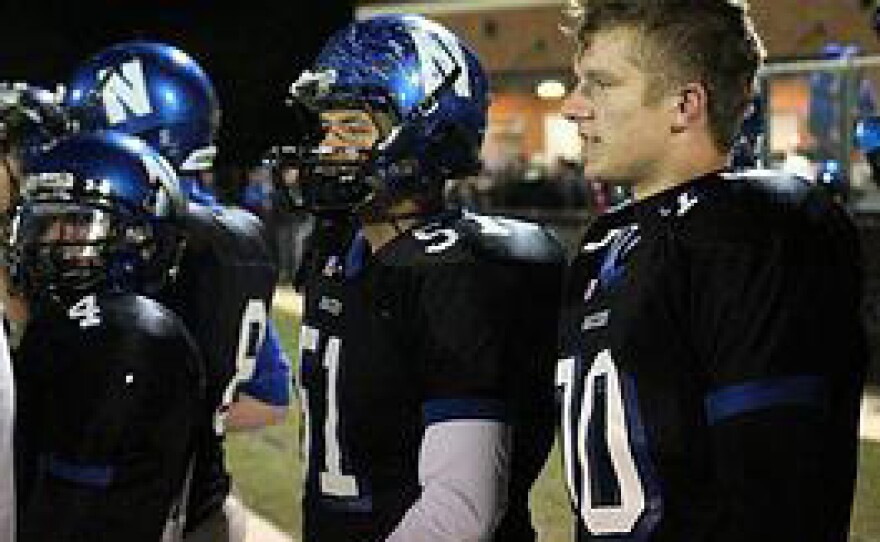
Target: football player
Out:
[712,348]
[110,383]
[28,116]
[227,275]
[9,100]
[427,336]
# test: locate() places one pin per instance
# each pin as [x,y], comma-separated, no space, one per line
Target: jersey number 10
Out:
[605,460]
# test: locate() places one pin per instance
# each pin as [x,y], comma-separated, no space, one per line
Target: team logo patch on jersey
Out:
[333,306]
[595,321]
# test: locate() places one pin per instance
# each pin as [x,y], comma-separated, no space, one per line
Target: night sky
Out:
[252,49]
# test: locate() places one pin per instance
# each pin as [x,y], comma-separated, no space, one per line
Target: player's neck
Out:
[689,161]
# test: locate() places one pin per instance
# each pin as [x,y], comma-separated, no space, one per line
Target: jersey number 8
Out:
[251,334]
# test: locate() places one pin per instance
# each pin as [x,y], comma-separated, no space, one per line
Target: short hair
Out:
[712,42]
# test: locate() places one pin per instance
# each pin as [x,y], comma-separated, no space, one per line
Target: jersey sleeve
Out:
[464,344]
[777,325]
[771,312]
[270,382]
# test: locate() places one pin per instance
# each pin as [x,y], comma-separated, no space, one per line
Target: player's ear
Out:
[691,107]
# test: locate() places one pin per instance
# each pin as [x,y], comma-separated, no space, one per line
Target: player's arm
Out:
[264,399]
[464,468]
[780,330]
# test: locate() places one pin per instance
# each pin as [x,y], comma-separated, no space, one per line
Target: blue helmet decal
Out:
[421,74]
[405,58]
[154,91]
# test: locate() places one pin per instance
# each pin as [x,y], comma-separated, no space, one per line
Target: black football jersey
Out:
[711,368]
[110,391]
[223,293]
[451,320]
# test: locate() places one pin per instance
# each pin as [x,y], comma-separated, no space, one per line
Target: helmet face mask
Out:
[69,246]
[425,95]
[334,175]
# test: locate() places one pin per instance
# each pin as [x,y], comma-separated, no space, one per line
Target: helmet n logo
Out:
[439,54]
[125,92]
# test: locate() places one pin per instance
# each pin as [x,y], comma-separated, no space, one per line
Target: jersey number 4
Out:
[606,465]
[86,312]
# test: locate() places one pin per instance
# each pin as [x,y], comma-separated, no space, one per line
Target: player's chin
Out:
[595,172]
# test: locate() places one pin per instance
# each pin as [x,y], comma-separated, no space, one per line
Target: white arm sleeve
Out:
[464,467]
[7,408]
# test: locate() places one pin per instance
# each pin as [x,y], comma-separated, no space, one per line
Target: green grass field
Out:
[266,467]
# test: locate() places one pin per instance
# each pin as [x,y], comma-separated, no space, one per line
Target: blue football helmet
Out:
[431,93]
[154,91]
[97,213]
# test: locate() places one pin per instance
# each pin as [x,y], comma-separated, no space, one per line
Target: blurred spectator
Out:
[258,193]
[827,97]
[294,229]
